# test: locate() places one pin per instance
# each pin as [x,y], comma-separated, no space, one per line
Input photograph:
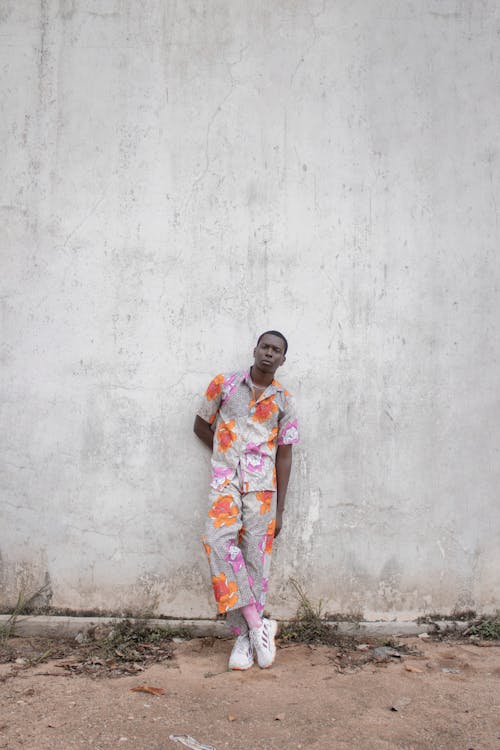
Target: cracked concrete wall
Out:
[178,177]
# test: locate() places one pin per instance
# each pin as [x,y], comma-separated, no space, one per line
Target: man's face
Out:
[269,353]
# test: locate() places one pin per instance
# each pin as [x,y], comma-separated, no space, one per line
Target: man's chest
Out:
[247,412]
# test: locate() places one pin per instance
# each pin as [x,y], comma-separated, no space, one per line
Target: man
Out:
[248,421]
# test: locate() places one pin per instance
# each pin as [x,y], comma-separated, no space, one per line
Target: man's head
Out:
[269,354]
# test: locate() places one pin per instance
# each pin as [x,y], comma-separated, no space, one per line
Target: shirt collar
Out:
[274,384]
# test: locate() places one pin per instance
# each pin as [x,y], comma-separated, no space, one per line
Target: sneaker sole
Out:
[275,631]
[241,669]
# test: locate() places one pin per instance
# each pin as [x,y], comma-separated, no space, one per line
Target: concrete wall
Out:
[178,176]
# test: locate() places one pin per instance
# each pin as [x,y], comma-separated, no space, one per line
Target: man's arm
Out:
[203,430]
[283,467]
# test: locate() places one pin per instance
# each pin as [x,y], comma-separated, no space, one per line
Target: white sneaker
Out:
[242,653]
[262,639]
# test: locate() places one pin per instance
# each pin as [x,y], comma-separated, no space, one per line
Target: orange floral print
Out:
[225,593]
[223,511]
[265,409]
[215,387]
[241,534]
[265,497]
[270,536]
[274,480]
[225,435]
[272,438]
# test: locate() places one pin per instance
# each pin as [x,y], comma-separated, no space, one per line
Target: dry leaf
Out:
[231,717]
[148,689]
[411,668]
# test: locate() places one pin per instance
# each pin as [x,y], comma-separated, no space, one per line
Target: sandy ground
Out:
[448,698]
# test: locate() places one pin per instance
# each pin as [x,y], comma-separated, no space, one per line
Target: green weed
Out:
[487,628]
[309,624]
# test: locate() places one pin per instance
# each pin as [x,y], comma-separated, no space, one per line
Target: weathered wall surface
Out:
[177,177]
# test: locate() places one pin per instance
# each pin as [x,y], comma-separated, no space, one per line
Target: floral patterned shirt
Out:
[247,432]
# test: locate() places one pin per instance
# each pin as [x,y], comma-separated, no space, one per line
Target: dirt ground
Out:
[447,696]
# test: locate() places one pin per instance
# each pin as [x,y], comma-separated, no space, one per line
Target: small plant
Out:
[8,628]
[309,624]
[127,637]
[463,615]
[486,628]
[344,616]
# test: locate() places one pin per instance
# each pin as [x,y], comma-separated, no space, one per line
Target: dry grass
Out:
[310,625]
[112,650]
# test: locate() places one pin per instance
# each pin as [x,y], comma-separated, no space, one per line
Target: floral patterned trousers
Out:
[238,540]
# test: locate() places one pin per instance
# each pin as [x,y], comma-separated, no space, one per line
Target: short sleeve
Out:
[211,400]
[288,425]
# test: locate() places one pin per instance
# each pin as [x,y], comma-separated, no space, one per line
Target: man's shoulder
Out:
[231,381]
[234,376]
[229,377]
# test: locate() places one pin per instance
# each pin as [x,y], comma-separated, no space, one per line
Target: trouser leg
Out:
[259,514]
[229,573]
[239,535]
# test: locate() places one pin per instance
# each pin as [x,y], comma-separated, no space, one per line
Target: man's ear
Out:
[283,360]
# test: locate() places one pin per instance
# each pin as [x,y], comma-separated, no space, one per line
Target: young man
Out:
[248,421]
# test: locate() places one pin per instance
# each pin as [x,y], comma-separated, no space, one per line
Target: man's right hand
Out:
[204,431]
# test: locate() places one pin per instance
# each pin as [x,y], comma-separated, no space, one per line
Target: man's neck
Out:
[260,378]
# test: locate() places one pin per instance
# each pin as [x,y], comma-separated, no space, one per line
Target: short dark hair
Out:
[274,333]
